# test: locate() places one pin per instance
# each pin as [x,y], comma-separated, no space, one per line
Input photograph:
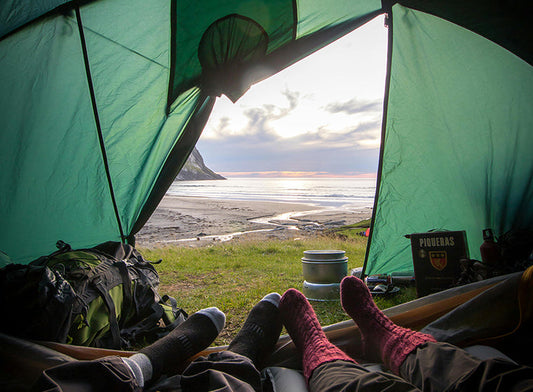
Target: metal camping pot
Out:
[321,291]
[324,255]
[323,271]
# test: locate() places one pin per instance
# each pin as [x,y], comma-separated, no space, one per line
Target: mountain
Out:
[195,169]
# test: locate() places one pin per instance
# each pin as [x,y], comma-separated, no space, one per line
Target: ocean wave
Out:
[320,191]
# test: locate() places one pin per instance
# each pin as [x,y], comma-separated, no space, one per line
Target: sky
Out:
[320,117]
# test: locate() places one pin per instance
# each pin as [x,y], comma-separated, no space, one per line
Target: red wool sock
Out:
[302,325]
[379,333]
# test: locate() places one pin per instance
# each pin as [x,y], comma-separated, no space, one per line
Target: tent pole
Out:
[97,120]
[388,21]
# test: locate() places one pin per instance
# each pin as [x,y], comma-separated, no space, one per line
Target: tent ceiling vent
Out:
[228,49]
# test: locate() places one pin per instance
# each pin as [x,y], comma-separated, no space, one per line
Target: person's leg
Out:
[170,353]
[260,331]
[379,334]
[325,366]
[105,374]
[340,376]
[442,366]
[419,359]
[238,368]
[132,373]
[304,328]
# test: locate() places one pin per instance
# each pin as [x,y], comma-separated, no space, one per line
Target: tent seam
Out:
[97,121]
[388,18]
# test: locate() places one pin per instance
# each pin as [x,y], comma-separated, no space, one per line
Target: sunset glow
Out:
[294,174]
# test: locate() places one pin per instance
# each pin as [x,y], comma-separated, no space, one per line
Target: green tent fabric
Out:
[102,101]
[458,139]
[54,178]
[16,13]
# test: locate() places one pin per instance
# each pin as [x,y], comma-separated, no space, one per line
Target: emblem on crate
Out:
[438,259]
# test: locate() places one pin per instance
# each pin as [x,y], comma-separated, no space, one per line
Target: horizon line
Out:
[295,174]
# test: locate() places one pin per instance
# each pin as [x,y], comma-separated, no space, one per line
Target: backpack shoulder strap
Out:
[113,322]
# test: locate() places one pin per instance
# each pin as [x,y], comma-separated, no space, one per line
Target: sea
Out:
[322,192]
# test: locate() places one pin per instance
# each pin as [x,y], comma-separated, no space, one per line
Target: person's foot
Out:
[260,331]
[189,338]
[304,328]
[379,333]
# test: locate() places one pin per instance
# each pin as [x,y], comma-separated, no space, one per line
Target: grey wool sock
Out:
[260,331]
[195,334]
[141,367]
[217,317]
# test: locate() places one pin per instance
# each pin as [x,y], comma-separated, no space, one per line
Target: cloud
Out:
[354,106]
[333,153]
[301,122]
[292,97]
[228,120]
[260,130]
[353,136]
[346,149]
[328,161]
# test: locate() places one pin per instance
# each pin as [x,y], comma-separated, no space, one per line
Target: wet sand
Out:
[196,221]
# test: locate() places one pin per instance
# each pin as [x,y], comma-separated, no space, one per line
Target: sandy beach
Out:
[196,221]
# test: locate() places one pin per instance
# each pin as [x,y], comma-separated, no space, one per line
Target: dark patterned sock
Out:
[307,334]
[379,333]
[260,331]
[187,339]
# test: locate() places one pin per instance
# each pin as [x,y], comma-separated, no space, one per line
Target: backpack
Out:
[106,296]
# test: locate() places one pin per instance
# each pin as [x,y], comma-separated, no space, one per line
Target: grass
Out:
[234,275]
